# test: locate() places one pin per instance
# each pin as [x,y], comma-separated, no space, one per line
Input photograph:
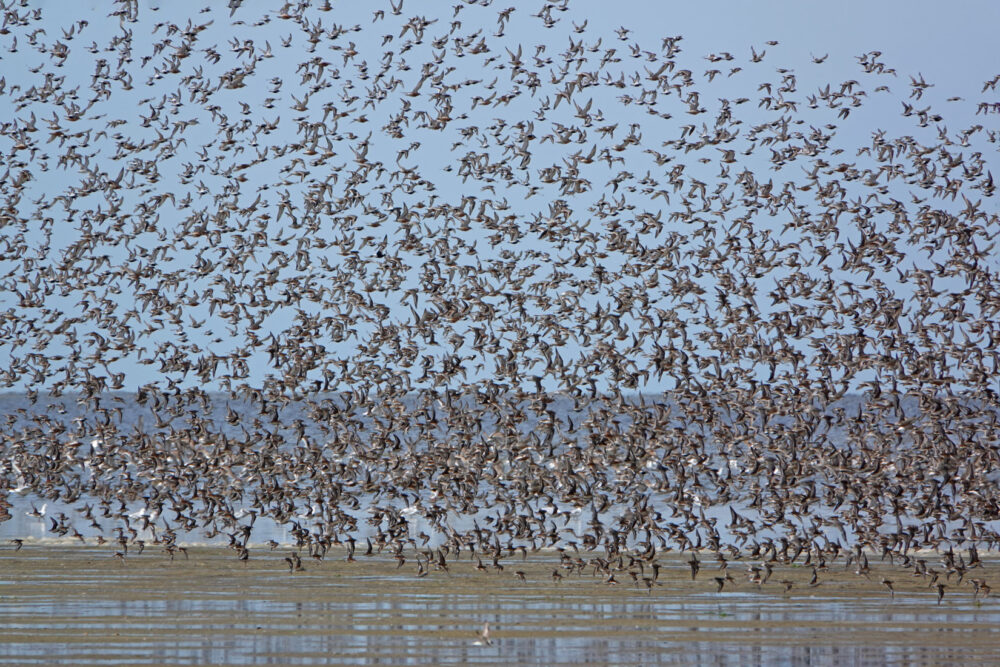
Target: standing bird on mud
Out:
[484,636]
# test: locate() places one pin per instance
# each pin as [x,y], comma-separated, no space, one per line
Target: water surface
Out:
[83,606]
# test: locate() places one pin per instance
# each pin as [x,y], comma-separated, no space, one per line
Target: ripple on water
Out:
[70,606]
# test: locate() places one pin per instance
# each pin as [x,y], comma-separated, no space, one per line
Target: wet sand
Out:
[81,605]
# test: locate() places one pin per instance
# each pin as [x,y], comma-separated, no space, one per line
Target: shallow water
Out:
[80,605]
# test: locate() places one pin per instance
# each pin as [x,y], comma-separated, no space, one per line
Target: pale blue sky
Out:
[952,48]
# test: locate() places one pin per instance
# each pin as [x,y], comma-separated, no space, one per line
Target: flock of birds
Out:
[558,295]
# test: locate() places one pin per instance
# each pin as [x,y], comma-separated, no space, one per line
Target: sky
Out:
[820,43]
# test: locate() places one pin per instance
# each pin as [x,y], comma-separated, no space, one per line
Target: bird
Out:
[484,636]
[450,292]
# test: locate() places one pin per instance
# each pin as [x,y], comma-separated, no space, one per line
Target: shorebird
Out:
[484,636]
[561,335]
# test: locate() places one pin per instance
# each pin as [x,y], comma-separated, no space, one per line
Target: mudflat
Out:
[85,606]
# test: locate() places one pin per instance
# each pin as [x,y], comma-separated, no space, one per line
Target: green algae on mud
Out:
[82,606]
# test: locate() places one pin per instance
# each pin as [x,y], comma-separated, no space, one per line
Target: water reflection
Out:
[77,605]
